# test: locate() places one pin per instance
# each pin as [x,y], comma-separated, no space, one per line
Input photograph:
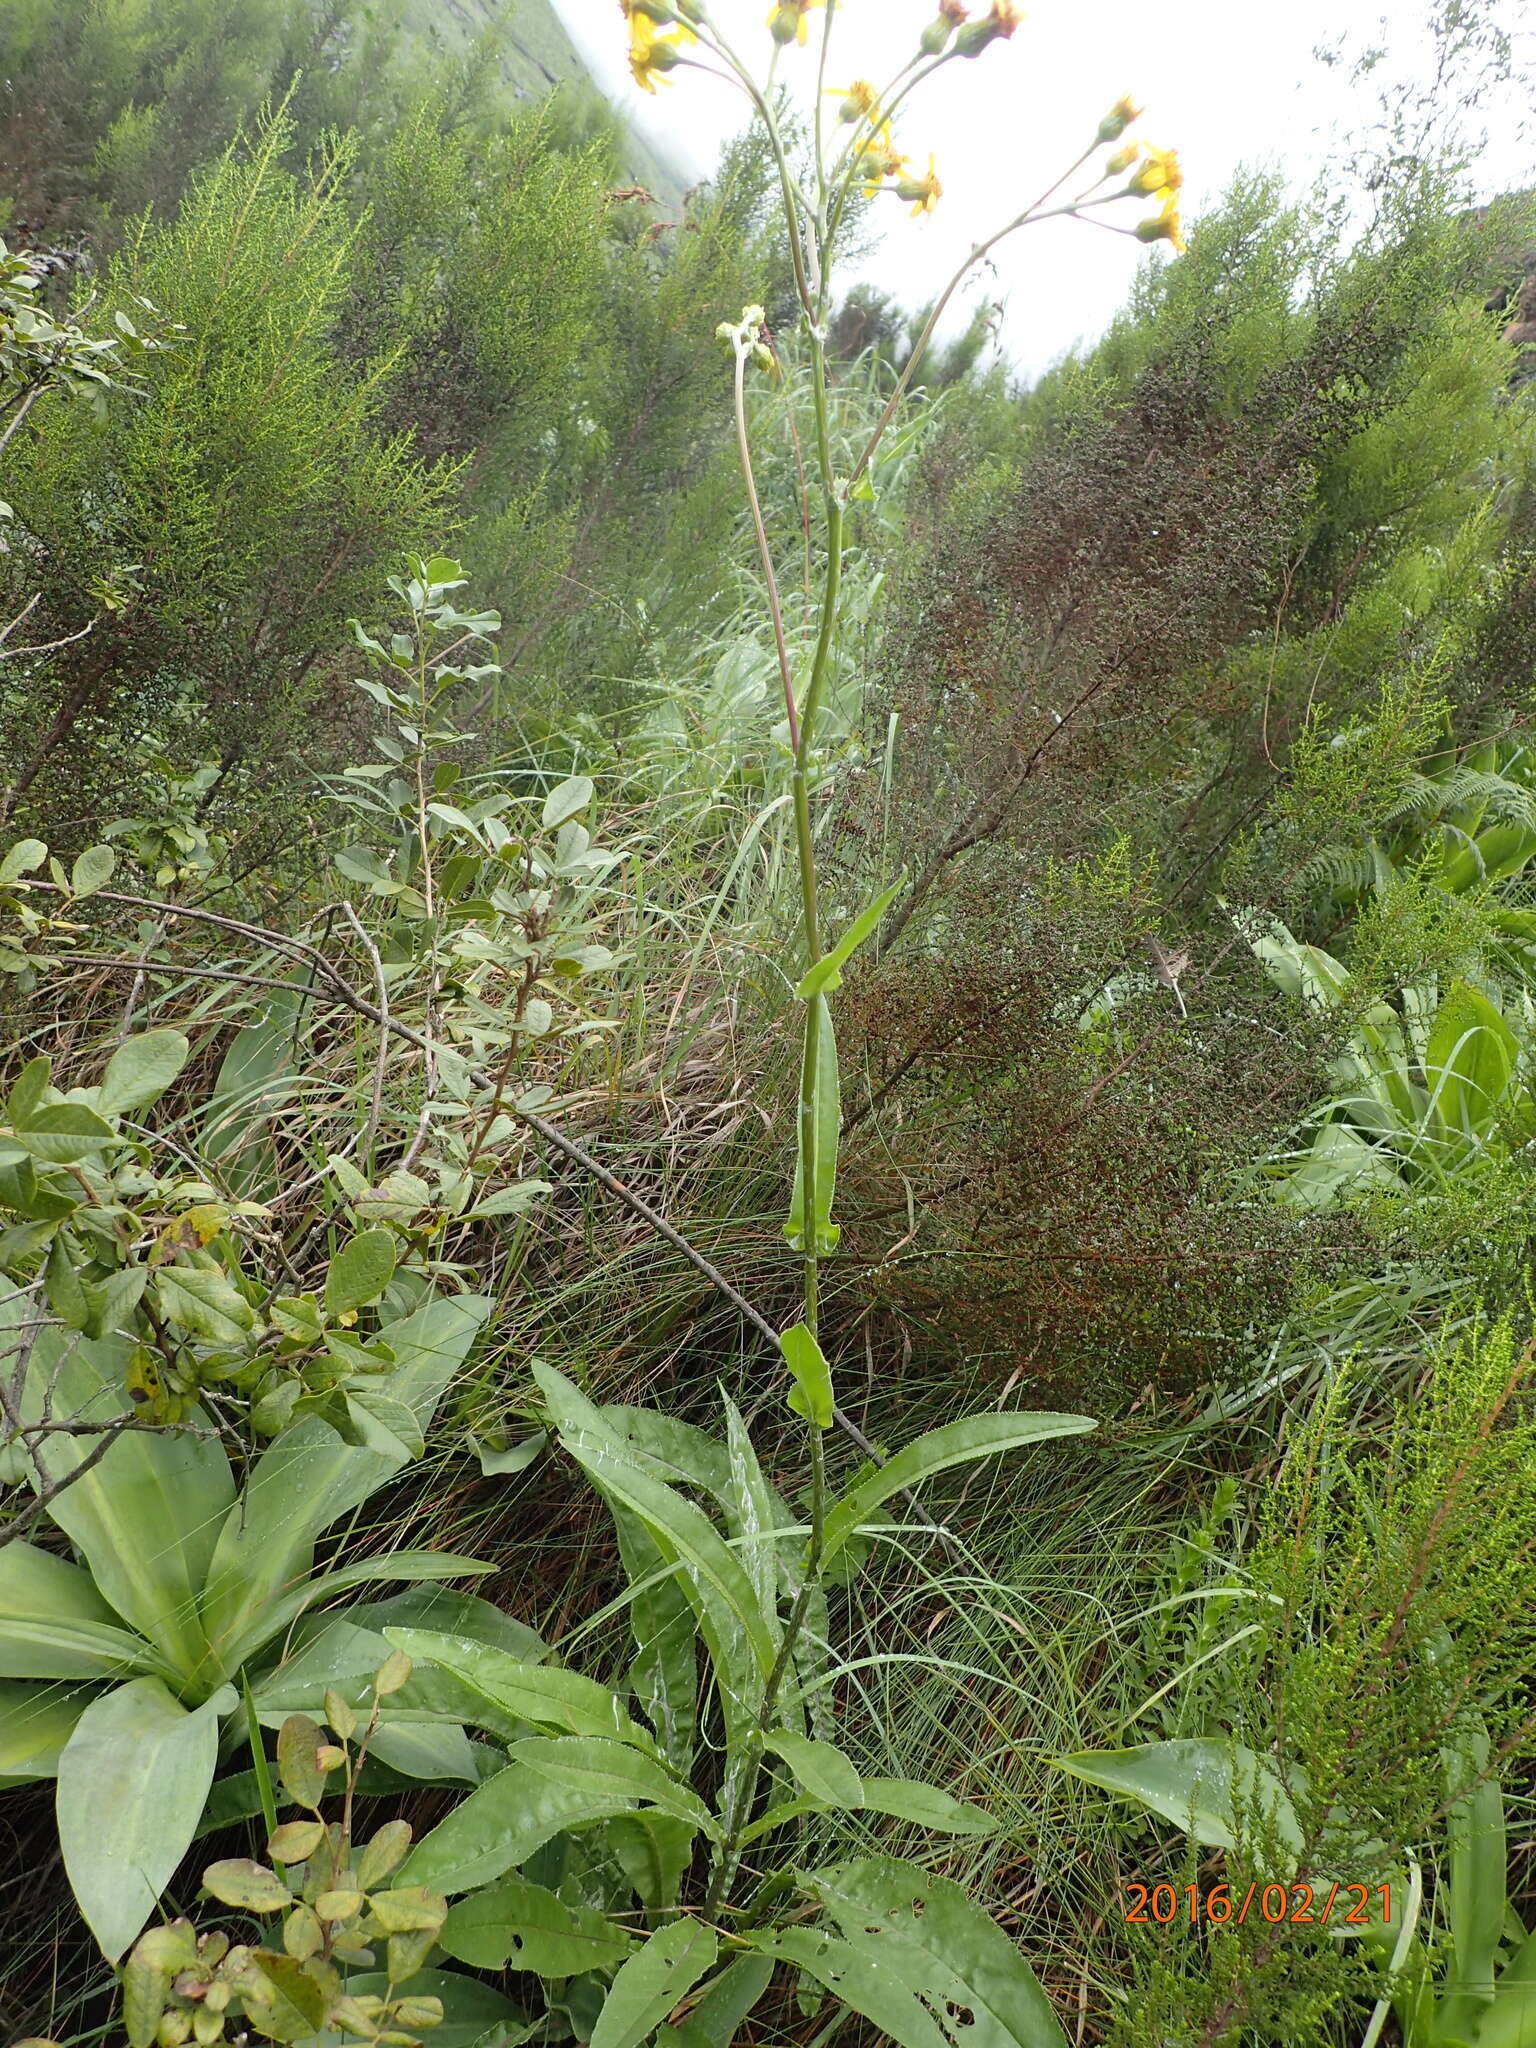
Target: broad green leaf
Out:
[360,1272]
[957,1443]
[31,1086]
[22,859]
[206,1304]
[145,1518]
[498,1827]
[520,1926]
[655,1852]
[565,800]
[861,1977]
[35,1723]
[308,1477]
[1217,1791]
[653,1981]
[92,871]
[63,1132]
[54,1624]
[823,1115]
[614,1770]
[941,1948]
[1510,2022]
[381,1423]
[820,1767]
[141,1070]
[73,1649]
[681,1531]
[544,1694]
[826,975]
[132,1781]
[362,864]
[1470,1061]
[811,1395]
[342,1656]
[440,1753]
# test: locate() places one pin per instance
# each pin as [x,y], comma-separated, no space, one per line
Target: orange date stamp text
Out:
[1333,1904]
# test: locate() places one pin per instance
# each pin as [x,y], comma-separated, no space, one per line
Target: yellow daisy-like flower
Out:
[788,21]
[925,191]
[1165,226]
[879,160]
[1160,174]
[860,101]
[650,53]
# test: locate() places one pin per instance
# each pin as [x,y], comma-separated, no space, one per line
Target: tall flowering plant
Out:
[857,152]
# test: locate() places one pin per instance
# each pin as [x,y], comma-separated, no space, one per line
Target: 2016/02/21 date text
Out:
[1296,1905]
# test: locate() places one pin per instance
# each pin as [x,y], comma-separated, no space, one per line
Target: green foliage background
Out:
[1225,628]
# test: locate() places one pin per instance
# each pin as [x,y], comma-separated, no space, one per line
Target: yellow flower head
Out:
[787,20]
[926,191]
[860,101]
[1165,226]
[1160,174]
[1118,119]
[651,54]
[878,160]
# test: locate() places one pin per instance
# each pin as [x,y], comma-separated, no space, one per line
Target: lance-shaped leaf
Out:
[499,1826]
[35,1723]
[681,1531]
[653,1981]
[821,1115]
[132,1781]
[54,1624]
[808,1368]
[544,1694]
[615,1771]
[827,974]
[957,1443]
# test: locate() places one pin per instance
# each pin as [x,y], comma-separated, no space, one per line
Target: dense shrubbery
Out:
[423,996]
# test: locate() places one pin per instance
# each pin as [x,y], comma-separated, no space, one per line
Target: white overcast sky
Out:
[1225,82]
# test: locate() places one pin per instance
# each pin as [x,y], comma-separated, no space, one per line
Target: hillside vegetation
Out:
[768,1123]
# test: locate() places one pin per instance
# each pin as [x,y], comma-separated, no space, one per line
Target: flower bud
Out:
[1118,119]
[935,37]
[976,35]
[1122,159]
